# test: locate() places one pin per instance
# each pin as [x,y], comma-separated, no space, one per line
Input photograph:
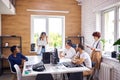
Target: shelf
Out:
[9,47]
[10,36]
[74,36]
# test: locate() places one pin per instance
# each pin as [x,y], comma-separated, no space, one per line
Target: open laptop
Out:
[70,64]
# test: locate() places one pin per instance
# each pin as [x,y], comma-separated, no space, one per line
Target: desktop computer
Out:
[54,57]
[46,57]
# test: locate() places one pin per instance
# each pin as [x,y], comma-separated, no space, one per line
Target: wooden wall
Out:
[0,24]
[19,24]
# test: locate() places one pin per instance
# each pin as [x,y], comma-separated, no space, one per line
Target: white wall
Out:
[0,24]
[89,10]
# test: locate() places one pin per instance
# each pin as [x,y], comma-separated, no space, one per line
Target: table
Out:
[50,69]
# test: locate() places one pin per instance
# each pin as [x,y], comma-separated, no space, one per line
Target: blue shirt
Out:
[16,60]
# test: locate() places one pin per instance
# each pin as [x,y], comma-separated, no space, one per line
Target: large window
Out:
[111,27]
[119,22]
[52,25]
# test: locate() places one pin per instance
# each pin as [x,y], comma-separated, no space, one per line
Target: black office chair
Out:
[44,77]
[76,76]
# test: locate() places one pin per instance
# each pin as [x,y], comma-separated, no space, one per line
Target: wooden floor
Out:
[7,75]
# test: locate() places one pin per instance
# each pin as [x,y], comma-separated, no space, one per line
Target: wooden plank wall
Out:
[0,24]
[19,24]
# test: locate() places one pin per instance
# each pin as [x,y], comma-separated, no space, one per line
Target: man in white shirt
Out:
[69,51]
[82,57]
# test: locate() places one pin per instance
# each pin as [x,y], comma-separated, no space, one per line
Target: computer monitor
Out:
[46,57]
[54,57]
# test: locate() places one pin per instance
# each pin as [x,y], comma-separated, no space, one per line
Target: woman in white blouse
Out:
[42,41]
[96,51]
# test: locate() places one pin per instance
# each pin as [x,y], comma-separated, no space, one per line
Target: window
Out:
[119,23]
[111,27]
[52,25]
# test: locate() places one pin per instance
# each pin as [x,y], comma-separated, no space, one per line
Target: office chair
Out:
[19,75]
[11,67]
[76,76]
[44,77]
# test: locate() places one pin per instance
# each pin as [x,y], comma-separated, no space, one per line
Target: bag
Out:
[38,67]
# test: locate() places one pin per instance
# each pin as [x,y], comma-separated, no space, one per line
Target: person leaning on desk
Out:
[82,58]
[16,58]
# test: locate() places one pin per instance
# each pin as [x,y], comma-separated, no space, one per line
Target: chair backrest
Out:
[18,71]
[76,76]
[44,77]
[11,67]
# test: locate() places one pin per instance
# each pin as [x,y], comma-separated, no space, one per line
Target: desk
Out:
[51,69]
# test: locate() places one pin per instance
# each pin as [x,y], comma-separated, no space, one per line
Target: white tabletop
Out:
[49,68]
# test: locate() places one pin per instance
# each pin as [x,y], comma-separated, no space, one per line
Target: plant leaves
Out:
[117,42]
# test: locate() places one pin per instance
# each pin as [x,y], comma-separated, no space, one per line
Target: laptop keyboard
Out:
[70,64]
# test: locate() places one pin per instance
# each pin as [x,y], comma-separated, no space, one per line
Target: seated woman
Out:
[82,57]
[69,51]
[16,58]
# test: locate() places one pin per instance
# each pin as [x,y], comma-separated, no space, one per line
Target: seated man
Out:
[69,51]
[16,58]
[82,57]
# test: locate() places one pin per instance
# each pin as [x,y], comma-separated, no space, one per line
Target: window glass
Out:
[109,30]
[55,32]
[119,22]
[53,26]
[39,26]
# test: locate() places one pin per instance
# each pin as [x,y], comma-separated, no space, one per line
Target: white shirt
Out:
[69,53]
[98,45]
[87,58]
[41,43]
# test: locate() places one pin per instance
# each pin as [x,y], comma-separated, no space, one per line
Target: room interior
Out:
[81,18]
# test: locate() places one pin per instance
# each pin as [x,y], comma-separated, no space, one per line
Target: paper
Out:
[87,45]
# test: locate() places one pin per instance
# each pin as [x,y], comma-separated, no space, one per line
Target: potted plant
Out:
[103,41]
[119,57]
[117,43]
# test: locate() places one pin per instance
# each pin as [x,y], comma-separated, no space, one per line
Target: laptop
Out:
[70,64]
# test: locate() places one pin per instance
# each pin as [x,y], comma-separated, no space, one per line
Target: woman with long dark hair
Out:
[41,43]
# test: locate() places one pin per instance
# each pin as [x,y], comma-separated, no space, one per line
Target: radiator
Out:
[105,72]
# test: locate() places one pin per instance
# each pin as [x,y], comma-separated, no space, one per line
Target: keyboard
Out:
[70,64]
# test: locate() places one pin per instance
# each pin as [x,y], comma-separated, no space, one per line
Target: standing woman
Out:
[96,51]
[41,43]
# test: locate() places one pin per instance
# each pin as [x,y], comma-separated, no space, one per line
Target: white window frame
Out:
[47,27]
[116,24]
